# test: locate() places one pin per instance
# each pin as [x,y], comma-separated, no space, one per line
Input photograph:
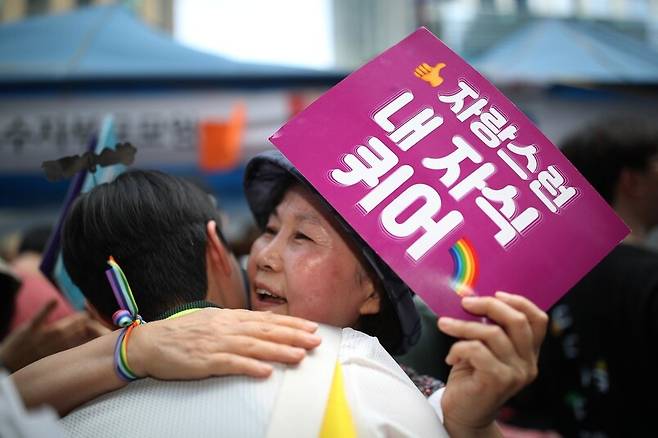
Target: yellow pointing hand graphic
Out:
[430,74]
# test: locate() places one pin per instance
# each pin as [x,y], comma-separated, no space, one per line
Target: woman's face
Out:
[301,266]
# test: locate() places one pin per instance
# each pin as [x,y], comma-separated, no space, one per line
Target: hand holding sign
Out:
[490,363]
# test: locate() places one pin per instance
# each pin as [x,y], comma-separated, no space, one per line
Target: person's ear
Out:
[630,183]
[372,303]
[91,310]
[216,250]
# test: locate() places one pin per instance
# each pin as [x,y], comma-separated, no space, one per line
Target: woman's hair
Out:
[384,325]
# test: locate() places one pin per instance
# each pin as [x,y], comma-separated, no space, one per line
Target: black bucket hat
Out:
[267,177]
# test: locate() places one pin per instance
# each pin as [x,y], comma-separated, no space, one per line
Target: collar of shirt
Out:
[187,308]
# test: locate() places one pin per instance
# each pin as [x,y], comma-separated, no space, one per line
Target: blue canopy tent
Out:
[565,74]
[569,52]
[108,44]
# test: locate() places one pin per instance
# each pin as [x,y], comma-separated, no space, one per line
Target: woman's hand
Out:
[215,342]
[209,342]
[490,362]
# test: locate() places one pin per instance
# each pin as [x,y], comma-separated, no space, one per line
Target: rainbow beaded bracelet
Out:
[126,317]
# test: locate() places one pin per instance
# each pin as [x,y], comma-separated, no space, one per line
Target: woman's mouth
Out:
[268,297]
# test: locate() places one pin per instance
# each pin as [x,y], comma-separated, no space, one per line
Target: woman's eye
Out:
[270,230]
[301,236]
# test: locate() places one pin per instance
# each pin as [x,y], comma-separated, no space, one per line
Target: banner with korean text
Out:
[448,181]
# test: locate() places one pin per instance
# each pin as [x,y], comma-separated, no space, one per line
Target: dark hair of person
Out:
[154,225]
[602,149]
[383,325]
[35,239]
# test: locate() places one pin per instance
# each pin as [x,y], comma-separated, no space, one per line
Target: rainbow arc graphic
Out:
[466,269]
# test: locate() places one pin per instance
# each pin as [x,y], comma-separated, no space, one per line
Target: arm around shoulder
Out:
[70,378]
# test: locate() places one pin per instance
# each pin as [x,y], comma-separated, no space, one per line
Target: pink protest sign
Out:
[448,181]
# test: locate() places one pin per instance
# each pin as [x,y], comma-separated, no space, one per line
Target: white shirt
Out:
[382,399]
[16,422]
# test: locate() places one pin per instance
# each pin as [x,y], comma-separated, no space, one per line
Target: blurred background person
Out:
[599,360]
[619,157]
[15,421]
[9,284]
[40,321]
[36,291]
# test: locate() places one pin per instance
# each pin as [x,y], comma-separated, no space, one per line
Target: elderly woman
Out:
[309,263]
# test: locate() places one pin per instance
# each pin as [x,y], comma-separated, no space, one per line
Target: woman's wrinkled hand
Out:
[217,342]
[490,362]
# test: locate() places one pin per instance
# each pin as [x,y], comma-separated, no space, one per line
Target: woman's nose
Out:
[269,256]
